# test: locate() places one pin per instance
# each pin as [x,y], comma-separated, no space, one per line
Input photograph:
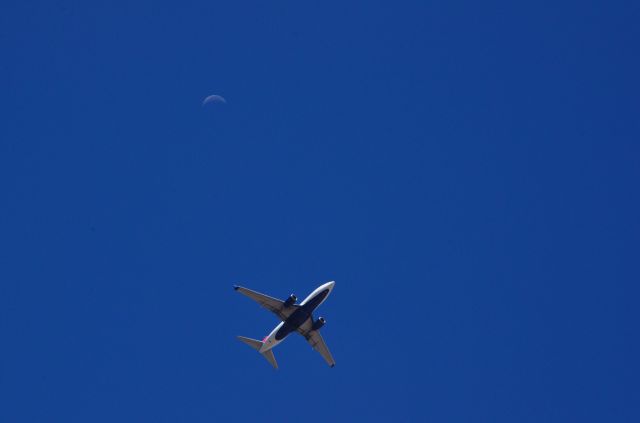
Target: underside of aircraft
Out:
[294,318]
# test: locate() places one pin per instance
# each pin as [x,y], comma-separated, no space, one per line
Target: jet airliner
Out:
[294,318]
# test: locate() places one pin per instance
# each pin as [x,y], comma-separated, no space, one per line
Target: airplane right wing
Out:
[314,339]
[274,305]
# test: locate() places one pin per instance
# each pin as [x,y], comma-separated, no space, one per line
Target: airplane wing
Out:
[274,305]
[314,339]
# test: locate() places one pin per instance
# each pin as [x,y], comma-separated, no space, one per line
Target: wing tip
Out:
[235,287]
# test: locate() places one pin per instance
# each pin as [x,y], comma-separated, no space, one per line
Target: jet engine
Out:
[290,301]
[318,323]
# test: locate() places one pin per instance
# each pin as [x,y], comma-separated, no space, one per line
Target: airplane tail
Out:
[256,345]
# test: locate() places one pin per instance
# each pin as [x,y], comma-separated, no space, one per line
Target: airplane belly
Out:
[271,340]
[269,343]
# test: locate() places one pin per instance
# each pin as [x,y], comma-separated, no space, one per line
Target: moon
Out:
[214,98]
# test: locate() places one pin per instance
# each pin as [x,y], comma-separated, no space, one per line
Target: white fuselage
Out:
[317,297]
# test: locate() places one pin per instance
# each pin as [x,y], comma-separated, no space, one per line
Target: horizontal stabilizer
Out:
[256,345]
[268,354]
[253,343]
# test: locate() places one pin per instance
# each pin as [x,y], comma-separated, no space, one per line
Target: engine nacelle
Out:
[318,323]
[290,301]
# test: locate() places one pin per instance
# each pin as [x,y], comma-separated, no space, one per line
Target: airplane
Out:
[294,318]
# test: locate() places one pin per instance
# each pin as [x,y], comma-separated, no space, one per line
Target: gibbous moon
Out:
[214,99]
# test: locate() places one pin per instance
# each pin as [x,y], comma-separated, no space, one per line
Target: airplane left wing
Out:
[314,339]
[274,305]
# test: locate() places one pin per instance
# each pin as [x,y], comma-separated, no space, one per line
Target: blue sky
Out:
[466,172]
